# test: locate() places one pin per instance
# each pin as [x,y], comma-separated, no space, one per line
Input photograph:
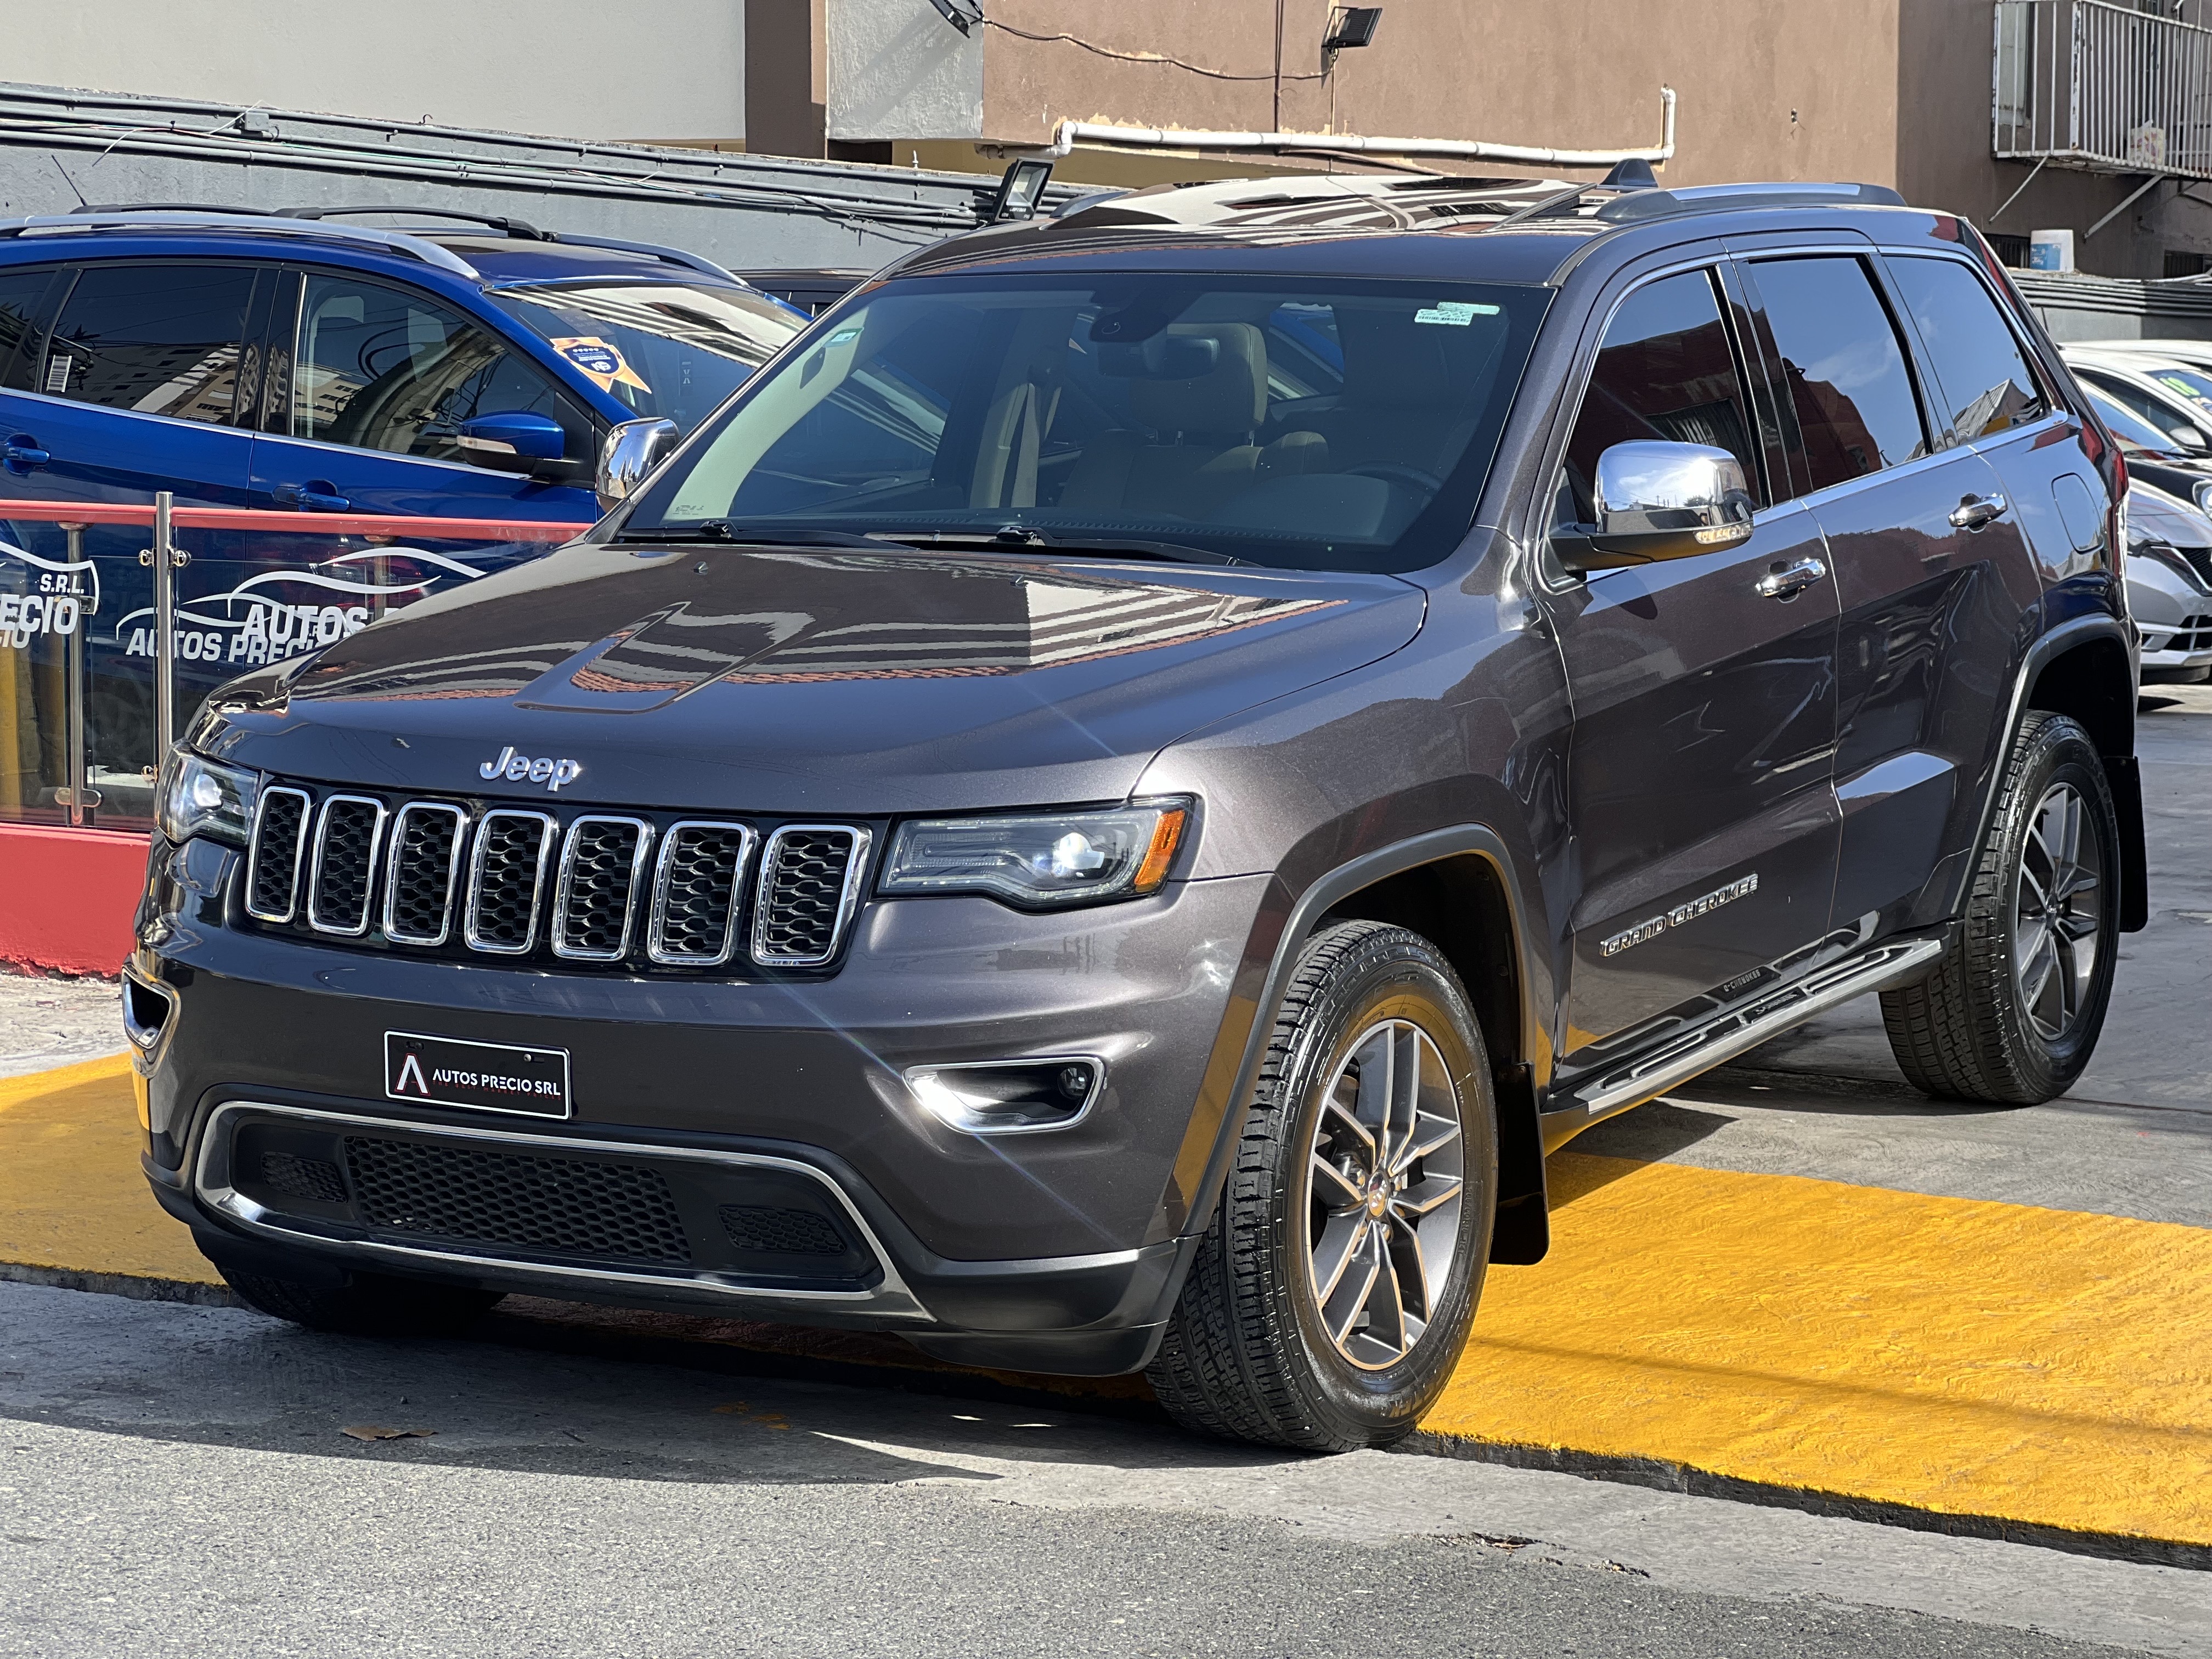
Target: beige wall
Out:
[1804,90]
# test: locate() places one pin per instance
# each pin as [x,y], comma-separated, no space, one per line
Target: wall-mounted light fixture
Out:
[1020,191]
[1350,27]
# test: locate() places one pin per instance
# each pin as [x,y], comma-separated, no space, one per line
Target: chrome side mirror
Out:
[1659,500]
[632,450]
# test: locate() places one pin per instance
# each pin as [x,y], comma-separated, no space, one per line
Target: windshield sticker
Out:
[1454,314]
[600,361]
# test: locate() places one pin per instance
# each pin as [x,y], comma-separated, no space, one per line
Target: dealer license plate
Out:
[483,1077]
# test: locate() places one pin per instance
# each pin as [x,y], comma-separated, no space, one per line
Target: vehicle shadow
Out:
[525,1393]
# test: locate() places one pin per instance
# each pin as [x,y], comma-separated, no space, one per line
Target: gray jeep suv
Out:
[1106,811]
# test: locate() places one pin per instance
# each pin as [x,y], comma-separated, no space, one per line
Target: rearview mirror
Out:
[1659,500]
[632,450]
[514,442]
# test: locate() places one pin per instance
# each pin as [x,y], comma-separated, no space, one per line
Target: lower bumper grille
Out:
[546,1205]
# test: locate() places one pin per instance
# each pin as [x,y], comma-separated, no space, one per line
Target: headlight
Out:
[1044,859]
[199,797]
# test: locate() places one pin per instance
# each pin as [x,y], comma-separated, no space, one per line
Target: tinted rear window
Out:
[1987,387]
[153,339]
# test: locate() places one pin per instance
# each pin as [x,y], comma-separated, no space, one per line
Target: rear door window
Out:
[154,339]
[388,368]
[1665,370]
[1847,407]
[1987,386]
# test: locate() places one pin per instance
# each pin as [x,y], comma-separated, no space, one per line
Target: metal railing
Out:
[109,645]
[2101,86]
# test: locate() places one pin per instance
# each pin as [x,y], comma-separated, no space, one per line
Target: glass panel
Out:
[668,349]
[247,599]
[1664,371]
[1337,425]
[1851,403]
[21,291]
[387,368]
[153,339]
[1985,379]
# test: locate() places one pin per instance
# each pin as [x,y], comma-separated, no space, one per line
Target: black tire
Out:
[1247,1355]
[1972,1031]
[367,1304]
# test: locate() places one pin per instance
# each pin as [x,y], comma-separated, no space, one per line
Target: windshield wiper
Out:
[1014,536]
[717,531]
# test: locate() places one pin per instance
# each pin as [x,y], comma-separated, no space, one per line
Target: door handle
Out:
[1973,512]
[1787,581]
[316,495]
[22,450]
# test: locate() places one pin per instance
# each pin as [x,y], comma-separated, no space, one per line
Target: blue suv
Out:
[293,360]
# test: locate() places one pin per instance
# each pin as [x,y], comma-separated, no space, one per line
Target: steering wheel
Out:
[1397,472]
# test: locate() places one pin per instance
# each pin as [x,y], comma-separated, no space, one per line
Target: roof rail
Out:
[674,256]
[506,225]
[523,230]
[1636,204]
[247,219]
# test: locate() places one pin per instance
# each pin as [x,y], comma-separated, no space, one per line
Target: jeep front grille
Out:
[809,882]
[587,887]
[342,871]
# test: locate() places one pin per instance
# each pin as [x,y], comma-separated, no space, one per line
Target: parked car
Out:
[302,361]
[2169,574]
[1106,810]
[2169,393]
[2150,455]
[811,290]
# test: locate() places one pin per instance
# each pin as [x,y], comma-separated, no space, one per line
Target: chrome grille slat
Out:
[506,880]
[343,874]
[603,861]
[809,888]
[422,871]
[279,840]
[698,890]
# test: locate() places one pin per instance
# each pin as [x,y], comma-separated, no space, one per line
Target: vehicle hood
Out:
[801,681]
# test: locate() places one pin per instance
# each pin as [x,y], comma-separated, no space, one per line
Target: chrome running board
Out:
[1728,1034]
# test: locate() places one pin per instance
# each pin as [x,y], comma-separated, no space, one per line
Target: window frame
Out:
[1537,520]
[1903,312]
[1868,256]
[61,276]
[281,352]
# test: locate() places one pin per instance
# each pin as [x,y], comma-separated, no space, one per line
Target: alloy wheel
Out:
[1386,1173]
[2058,915]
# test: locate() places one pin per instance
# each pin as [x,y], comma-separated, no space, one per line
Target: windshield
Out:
[664,349]
[1319,425]
[2187,382]
[2130,429]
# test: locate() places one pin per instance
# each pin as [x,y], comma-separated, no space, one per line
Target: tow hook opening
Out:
[1010,1096]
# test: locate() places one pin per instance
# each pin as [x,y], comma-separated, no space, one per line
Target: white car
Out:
[2169,576]
[2167,382]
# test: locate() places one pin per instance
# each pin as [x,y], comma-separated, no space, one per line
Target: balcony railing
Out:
[2102,87]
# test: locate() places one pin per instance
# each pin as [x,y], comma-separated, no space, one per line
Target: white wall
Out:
[897,69]
[581,69]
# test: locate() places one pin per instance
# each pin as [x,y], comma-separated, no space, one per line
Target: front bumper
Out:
[1048,1251]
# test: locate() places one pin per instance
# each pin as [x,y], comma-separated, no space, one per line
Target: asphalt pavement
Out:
[176,1479]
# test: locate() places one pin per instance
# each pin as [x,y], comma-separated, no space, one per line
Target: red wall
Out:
[66,897]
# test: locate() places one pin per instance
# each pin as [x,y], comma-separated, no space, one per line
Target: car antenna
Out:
[70,182]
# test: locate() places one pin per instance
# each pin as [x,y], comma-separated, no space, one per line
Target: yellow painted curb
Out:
[2042,1367]
[1969,1358]
[72,1196]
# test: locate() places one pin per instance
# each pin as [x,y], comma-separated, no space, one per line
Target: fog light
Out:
[1010,1096]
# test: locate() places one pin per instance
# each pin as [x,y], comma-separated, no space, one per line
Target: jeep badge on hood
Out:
[521,769]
